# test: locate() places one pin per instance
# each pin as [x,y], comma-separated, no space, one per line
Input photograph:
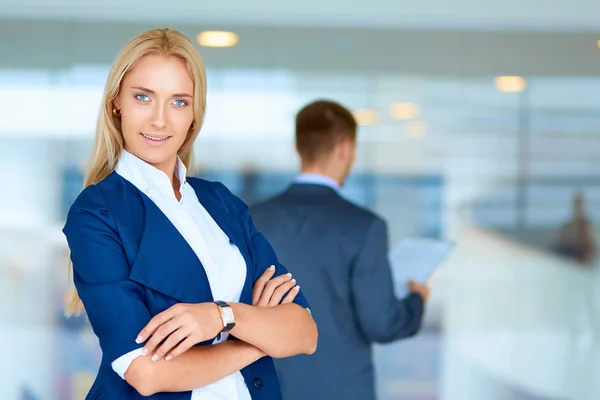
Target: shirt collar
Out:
[317,179]
[147,177]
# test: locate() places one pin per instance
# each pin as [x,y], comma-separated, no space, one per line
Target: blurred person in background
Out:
[339,252]
[576,239]
[249,181]
[162,262]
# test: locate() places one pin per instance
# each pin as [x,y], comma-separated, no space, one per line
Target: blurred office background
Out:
[480,123]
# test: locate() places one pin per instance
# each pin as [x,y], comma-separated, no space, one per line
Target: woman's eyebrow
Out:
[143,89]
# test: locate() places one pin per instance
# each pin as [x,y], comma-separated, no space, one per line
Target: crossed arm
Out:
[266,328]
[101,276]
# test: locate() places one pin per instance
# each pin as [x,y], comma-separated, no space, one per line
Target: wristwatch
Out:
[226,315]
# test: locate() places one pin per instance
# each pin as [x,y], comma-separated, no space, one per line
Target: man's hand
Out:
[420,289]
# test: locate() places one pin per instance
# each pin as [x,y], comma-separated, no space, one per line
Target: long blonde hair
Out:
[108,143]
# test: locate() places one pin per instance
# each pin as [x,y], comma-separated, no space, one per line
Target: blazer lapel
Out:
[166,263]
[233,228]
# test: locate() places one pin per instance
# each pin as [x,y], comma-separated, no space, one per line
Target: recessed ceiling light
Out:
[217,39]
[510,84]
[365,116]
[404,111]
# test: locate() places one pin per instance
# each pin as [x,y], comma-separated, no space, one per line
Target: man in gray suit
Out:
[338,252]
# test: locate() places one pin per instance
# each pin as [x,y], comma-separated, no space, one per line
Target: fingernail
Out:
[297,287]
[288,274]
[139,340]
[293,281]
[144,351]
[168,358]
[271,268]
[155,357]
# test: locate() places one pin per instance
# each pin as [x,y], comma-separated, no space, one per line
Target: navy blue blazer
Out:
[339,251]
[130,263]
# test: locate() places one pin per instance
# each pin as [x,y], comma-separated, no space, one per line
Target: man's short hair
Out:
[320,126]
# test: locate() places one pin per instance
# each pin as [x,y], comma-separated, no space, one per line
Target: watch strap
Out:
[225,308]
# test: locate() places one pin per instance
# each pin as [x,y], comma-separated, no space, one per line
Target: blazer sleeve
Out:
[113,303]
[261,252]
[380,315]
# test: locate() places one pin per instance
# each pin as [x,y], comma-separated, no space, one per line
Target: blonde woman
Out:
[170,270]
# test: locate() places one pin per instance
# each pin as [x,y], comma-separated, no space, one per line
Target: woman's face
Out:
[156,103]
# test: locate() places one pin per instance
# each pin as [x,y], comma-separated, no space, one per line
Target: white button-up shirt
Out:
[224,264]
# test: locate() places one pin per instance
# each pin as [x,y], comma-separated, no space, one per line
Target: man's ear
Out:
[345,148]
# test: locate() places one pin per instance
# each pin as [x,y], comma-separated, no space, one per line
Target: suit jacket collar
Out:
[164,260]
[311,190]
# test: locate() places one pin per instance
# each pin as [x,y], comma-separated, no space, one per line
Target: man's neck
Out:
[320,171]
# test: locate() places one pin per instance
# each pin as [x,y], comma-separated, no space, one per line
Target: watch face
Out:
[228,315]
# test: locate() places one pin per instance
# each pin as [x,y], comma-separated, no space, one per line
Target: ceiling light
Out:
[404,111]
[365,116]
[510,84]
[217,39]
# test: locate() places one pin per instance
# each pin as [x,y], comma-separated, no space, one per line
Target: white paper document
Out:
[416,259]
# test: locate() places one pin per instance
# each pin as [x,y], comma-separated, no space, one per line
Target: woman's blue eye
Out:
[142,97]
[180,103]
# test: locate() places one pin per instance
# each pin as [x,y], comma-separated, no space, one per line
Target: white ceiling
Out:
[61,44]
[551,15]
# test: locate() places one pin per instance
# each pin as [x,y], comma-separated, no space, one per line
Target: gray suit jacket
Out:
[337,251]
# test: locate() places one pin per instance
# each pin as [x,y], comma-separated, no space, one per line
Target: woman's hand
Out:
[181,327]
[184,325]
[268,292]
